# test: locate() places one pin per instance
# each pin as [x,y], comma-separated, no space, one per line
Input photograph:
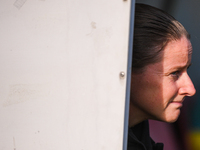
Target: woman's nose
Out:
[187,87]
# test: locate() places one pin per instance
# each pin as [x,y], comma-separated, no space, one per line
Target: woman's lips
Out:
[178,103]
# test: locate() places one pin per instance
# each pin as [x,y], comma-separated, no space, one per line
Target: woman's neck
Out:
[135,116]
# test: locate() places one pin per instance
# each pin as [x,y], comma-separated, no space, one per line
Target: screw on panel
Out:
[122,74]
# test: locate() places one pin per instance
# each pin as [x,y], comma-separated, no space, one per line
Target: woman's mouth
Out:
[178,104]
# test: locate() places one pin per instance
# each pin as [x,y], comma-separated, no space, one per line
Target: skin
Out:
[159,91]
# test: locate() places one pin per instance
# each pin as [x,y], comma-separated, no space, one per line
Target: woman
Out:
[161,55]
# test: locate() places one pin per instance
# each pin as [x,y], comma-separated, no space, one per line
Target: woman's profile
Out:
[162,53]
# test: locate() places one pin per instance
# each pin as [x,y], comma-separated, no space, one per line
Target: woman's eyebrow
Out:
[182,67]
[179,67]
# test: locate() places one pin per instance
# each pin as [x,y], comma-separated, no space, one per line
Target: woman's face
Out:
[158,92]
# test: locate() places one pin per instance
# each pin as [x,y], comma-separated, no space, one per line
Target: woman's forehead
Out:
[177,53]
[177,48]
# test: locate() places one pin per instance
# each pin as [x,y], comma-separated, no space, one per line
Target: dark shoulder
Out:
[139,138]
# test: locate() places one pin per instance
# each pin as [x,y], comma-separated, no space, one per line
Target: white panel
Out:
[60,63]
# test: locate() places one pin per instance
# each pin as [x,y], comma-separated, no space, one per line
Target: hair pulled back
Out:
[153,30]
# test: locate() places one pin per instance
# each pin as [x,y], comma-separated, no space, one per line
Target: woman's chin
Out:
[171,118]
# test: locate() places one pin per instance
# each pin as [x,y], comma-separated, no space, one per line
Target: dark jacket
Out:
[139,138]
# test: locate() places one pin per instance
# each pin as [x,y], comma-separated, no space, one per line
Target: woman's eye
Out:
[175,74]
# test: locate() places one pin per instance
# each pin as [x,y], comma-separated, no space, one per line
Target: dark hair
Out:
[153,29]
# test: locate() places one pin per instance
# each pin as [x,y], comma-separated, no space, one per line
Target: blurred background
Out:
[185,133]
